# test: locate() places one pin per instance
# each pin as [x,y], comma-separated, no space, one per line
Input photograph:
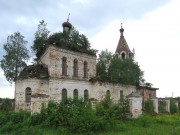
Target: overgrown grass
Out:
[145,125]
[75,117]
[148,125]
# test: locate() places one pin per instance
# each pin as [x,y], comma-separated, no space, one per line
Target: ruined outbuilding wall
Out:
[36,85]
[53,58]
[146,93]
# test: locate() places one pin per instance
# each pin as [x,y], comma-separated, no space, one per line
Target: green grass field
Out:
[148,125]
[145,125]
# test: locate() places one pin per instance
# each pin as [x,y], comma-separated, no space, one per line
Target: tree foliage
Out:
[72,41]
[103,63]
[173,106]
[115,70]
[41,36]
[6,104]
[16,55]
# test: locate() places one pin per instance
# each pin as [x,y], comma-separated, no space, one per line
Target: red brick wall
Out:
[146,94]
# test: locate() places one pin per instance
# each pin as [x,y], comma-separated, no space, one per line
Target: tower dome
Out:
[66,25]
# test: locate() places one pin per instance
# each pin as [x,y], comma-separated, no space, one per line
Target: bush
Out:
[78,116]
[75,115]
[13,121]
[106,109]
[162,106]
[173,107]
[123,108]
[149,106]
[6,104]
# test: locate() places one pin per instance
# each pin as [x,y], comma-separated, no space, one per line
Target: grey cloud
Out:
[104,10]
[91,16]
[23,15]
[19,7]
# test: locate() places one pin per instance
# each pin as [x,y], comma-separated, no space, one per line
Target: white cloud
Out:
[7,92]
[155,38]
[81,1]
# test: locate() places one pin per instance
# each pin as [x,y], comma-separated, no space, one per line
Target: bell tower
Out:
[122,49]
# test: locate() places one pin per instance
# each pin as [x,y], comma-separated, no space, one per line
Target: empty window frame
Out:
[75,94]
[85,69]
[86,95]
[75,68]
[64,94]
[121,94]
[64,66]
[28,94]
[123,55]
[108,93]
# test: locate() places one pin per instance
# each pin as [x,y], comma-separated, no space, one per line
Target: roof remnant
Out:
[145,87]
[34,71]
[134,94]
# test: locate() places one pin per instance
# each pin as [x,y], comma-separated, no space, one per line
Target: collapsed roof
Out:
[34,71]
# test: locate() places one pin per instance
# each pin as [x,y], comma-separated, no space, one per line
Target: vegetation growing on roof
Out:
[73,41]
[40,41]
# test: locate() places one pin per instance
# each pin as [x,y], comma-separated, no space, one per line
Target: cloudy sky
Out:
[151,27]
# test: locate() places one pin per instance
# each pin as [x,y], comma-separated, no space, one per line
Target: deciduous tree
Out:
[16,56]
[40,42]
[103,63]
[112,69]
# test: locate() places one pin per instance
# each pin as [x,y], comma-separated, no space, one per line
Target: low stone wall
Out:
[164,105]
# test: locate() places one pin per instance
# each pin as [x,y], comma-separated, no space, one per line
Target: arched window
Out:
[108,93]
[75,68]
[64,66]
[28,94]
[123,55]
[64,94]
[86,95]
[85,69]
[75,94]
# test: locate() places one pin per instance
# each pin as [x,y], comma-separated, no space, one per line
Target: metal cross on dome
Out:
[68,17]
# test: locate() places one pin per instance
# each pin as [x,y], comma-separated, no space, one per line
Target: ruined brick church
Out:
[62,73]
